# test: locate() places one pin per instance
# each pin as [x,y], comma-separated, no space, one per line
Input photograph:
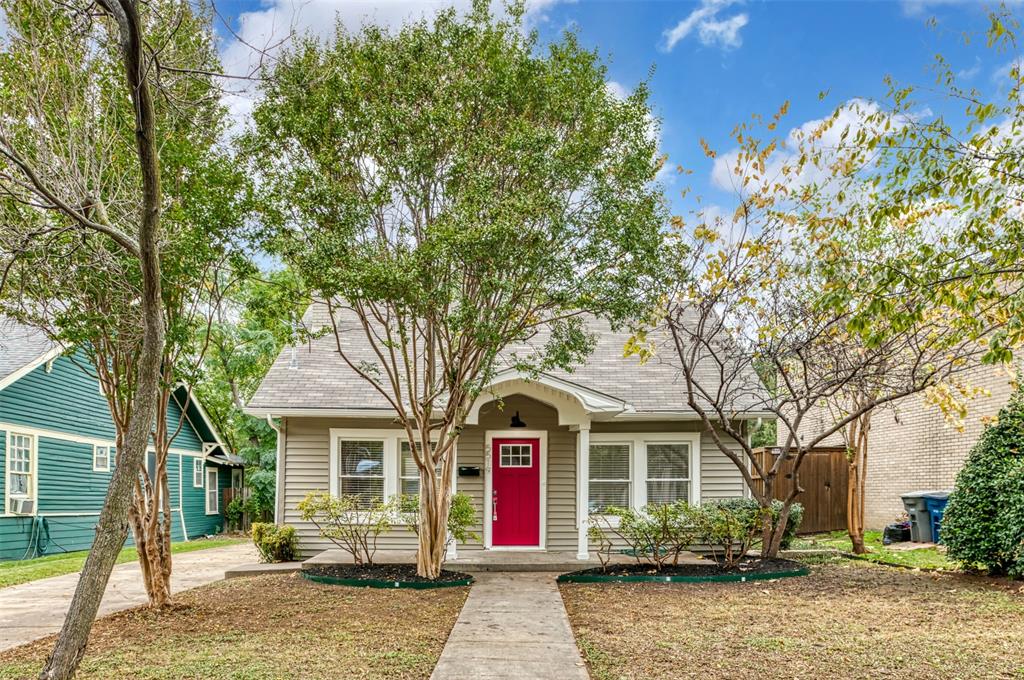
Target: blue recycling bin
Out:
[936,501]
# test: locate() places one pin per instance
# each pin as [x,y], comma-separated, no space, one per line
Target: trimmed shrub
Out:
[984,520]
[274,543]
[729,529]
[660,533]
[352,522]
[657,535]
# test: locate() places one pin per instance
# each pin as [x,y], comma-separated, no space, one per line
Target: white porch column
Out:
[582,491]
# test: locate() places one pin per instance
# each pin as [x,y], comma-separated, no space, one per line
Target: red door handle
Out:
[494,506]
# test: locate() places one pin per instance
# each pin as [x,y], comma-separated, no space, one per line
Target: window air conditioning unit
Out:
[22,506]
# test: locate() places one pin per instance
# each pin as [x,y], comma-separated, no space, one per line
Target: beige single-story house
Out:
[537,455]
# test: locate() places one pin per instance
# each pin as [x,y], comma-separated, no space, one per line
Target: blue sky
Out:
[715,62]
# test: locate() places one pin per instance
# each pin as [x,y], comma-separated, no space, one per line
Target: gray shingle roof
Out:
[20,345]
[314,376]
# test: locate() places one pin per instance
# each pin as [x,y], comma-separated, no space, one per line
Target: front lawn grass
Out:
[22,571]
[279,626]
[848,619]
[925,558]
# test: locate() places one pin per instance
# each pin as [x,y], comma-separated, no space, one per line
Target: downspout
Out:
[181,504]
[279,481]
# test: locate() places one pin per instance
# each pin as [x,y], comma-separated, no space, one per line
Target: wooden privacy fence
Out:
[823,476]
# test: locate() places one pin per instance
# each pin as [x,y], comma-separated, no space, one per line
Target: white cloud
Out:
[916,8]
[824,134]
[1005,72]
[970,73]
[710,28]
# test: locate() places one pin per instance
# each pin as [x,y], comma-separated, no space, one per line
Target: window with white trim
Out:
[609,476]
[408,473]
[212,491]
[101,456]
[197,472]
[20,465]
[361,469]
[668,472]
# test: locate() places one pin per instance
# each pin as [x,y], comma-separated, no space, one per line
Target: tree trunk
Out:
[151,513]
[857,458]
[112,527]
[435,499]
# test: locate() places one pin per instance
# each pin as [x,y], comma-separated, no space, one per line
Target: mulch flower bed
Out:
[383,576]
[703,571]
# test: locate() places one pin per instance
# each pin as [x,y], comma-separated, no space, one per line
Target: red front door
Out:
[515,492]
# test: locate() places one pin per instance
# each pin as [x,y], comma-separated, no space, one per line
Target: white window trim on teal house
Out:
[32,494]
[198,474]
[108,453]
[216,490]
[638,476]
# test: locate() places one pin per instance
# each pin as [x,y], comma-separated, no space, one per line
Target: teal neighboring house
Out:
[57,453]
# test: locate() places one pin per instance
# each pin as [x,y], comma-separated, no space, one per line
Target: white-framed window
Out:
[636,470]
[21,465]
[197,472]
[668,472]
[212,491]
[408,473]
[610,481]
[361,470]
[101,457]
[515,455]
[372,463]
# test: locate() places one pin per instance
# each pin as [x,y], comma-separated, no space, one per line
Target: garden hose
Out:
[39,538]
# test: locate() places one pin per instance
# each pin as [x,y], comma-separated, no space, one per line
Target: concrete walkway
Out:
[33,610]
[513,626]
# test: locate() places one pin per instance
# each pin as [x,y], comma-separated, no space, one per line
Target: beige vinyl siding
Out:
[307,468]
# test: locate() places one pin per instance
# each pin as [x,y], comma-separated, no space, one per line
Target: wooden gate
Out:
[823,477]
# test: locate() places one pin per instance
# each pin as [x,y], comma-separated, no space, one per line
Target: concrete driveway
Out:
[33,610]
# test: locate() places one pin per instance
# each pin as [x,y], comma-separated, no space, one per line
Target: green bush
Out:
[657,535]
[984,520]
[352,522]
[660,533]
[274,543]
[796,515]
[729,529]
[233,512]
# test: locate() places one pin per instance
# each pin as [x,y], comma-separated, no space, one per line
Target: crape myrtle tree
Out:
[456,188]
[107,123]
[954,185]
[798,283]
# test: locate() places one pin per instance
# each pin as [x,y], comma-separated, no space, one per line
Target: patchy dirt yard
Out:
[849,619]
[267,627]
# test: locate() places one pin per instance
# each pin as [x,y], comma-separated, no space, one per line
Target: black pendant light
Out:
[517,421]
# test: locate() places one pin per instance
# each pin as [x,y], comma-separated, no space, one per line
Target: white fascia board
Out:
[31,366]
